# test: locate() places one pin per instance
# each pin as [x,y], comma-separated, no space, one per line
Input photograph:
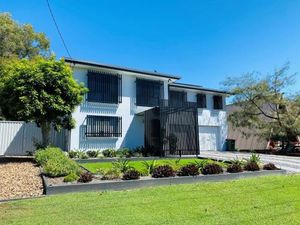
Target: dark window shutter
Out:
[201,101]
[148,92]
[104,88]
[218,102]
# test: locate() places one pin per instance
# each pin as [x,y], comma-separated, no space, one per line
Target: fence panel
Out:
[18,137]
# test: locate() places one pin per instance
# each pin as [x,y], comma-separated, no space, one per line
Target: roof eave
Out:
[105,66]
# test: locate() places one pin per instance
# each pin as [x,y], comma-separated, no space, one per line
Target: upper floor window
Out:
[201,101]
[104,87]
[103,126]
[148,92]
[177,98]
[218,102]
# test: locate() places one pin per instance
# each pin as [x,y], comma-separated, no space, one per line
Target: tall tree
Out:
[265,104]
[21,40]
[39,90]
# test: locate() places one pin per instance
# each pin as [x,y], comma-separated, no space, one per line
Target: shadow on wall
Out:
[101,108]
[134,136]
[96,142]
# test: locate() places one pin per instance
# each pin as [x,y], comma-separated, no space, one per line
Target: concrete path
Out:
[289,163]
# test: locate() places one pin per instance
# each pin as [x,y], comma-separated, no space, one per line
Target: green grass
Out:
[265,200]
[138,165]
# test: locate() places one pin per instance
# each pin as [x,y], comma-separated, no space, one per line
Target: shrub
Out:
[255,158]
[60,167]
[131,174]
[122,165]
[251,166]
[270,166]
[201,164]
[163,171]
[85,177]
[109,153]
[149,166]
[188,170]
[92,153]
[42,156]
[71,177]
[175,164]
[82,155]
[73,154]
[234,168]
[237,161]
[55,163]
[123,153]
[109,174]
[212,168]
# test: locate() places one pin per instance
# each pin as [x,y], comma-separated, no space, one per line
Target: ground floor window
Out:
[103,126]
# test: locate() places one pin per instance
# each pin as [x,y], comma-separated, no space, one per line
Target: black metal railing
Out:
[103,126]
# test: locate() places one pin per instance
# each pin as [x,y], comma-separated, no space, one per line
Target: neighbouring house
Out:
[129,108]
[252,141]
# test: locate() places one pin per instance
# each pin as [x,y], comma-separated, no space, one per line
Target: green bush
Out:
[82,155]
[109,153]
[71,177]
[122,164]
[92,153]
[73,154]
[124,152]
[60,167]
[42,156]
[149,167]
[55,163]
[254,158]
[109,174]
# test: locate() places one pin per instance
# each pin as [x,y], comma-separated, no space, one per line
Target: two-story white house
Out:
[129,108]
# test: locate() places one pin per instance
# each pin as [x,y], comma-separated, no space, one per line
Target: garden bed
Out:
[100,185]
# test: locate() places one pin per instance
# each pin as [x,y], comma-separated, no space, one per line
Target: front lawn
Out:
[138,165]
[265,200]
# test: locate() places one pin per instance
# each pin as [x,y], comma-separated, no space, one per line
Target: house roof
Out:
[126,69]
[197,87]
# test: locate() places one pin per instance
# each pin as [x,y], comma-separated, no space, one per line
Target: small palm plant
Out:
[201,164]
[237,161]
[255,158]
[122,164]
[149,165]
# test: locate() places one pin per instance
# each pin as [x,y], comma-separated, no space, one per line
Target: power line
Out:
[57,28]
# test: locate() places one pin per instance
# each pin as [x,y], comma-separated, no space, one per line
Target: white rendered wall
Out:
[132,124]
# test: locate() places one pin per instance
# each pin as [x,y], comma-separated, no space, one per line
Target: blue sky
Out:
[202,41]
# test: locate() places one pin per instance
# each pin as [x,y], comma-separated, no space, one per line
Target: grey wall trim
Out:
[150,182]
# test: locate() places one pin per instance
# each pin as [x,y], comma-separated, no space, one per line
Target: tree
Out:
[265,104]
[39,90]
[20,40]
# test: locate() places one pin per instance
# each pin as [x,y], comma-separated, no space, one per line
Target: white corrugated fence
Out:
[18,137]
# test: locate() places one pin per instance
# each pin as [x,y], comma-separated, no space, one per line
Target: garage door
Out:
[208,138]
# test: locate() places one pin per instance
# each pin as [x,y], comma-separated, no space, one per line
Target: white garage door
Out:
[208,138]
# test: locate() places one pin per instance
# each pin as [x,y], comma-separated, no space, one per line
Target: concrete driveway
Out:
[289,163]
